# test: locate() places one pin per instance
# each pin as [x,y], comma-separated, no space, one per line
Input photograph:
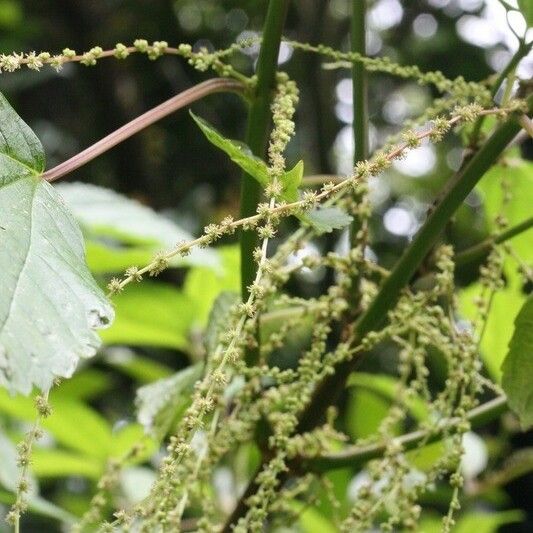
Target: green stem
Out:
[258,129]
[359,82]
[356,456]
[376,314]
[523,50]
[481,249]
[257,136]
[360,98]
[360,122]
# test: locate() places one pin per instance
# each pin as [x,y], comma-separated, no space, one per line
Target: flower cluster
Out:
[233,402]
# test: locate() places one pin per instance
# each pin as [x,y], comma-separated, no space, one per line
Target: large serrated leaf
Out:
[50,306]
[241,154]
[518,366]
[238,152]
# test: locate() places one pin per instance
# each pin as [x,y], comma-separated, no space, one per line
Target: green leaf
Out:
[518,366]
[84,385]
[161,404]
[526,6]
[121,232]
[218,318]
[151,314]
[517,208]
[71,423]
[364,413]
[128,436]
[48,463]
[506,302]
[386,386]
[238,152]
[290,181]
[203,285]
[241,154]
[499,326]
[113,256]
[142,369]
[50,306]
[310,520]
[326,219]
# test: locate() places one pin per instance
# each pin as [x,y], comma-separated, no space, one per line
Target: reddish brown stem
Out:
[146,119]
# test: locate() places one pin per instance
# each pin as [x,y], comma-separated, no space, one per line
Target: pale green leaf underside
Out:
[218,319]
[50,306]
[518,366]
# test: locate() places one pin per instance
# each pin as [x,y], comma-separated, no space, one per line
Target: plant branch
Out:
[523,50]
[356,456]
[359,82]
[257,137]
[161,260]
[327,392]
[483,248]
[182,99]
[359,226]
[376,314]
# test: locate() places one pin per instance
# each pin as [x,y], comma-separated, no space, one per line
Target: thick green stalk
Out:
[257,137]
[376,314]
[428,236]
[483,248]
[359,81]
[356,456]
[258,130]
[360,96]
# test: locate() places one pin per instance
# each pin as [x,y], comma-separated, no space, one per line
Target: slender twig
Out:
[523,50]
[482,248]
[355,456]
[179,101]
[359,226]
[320,179]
